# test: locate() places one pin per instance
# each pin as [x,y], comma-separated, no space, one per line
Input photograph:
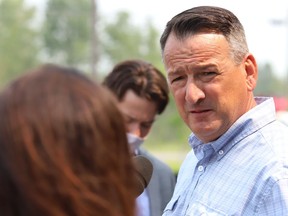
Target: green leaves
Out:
[19,44]
[66,31]
[122,39]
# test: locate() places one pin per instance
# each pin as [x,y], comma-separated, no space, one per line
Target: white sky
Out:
[268,42]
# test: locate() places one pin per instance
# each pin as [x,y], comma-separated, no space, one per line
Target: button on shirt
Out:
[244,172]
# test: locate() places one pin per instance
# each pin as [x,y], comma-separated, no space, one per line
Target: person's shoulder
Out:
[276,129]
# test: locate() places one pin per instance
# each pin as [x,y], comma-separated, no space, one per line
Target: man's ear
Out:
[251,69]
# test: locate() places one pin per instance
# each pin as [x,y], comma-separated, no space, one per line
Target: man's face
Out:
[211,92]
[139,113]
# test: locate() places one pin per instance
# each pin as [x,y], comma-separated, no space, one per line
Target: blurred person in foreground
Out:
[238,164]
[64,149]
[142,93]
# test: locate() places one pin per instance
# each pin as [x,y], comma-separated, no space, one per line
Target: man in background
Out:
[142,93]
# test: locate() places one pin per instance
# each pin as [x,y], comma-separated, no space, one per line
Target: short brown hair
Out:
[141,77]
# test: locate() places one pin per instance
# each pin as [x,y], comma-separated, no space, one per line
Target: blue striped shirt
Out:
[244,172]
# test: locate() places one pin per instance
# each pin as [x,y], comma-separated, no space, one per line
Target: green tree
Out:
[67,31]
[18,39]
[268,83]
[122,39]
[152,45]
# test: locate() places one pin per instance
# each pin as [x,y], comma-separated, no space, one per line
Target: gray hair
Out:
[209,19]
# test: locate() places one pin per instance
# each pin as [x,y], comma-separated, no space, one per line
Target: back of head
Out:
[208,19]
[141,77]
[63,147]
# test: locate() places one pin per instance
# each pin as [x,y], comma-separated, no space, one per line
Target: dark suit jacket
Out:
[161,186]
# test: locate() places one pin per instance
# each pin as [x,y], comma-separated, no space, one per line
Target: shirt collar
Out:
[247,124]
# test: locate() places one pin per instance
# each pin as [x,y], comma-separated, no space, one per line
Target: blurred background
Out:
[93,35]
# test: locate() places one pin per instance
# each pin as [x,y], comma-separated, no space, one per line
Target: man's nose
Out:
[135,129]
[194,93]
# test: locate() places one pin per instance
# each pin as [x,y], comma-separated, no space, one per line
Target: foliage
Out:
[122,39]
[269,84]
[66,31]
[18,39]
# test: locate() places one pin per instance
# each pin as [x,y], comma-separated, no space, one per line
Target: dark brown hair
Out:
[63,145]
[208,19]
[141,77]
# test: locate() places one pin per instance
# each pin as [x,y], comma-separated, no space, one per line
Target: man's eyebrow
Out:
[133,118]
[127,115]
[174,72]
[149,122]
[205,67]
[194,67]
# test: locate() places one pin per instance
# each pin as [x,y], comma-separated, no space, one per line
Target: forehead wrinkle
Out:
[192,59]
[195,52]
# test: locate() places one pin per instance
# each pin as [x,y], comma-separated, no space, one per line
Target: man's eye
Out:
[146,125]
[177,79]
[128,119]
[208,73]
[207,76]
